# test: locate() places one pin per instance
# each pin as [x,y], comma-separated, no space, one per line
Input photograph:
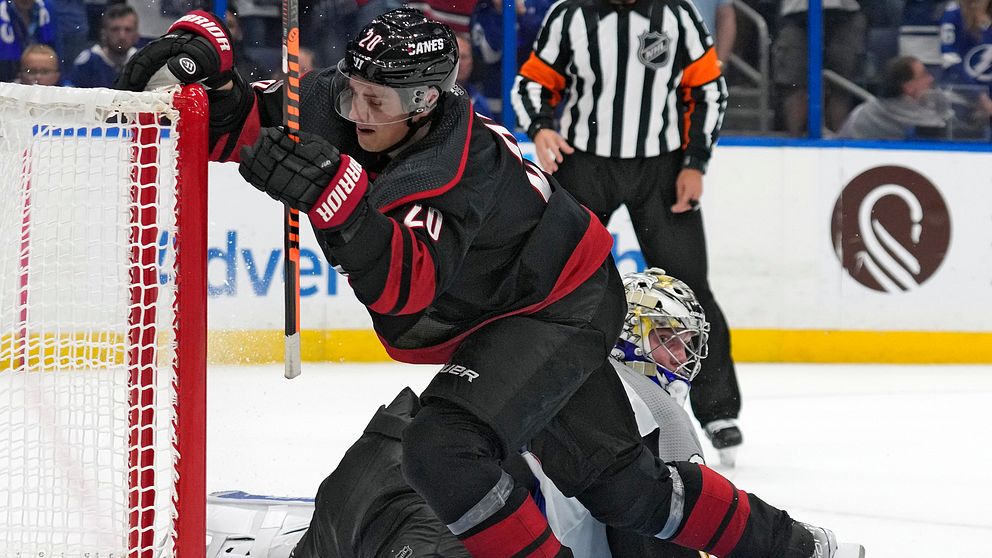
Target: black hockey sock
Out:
[771,532]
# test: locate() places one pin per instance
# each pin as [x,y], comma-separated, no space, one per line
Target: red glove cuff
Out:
[343,194]
[206,25]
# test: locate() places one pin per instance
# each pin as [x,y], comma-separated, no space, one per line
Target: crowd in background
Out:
[893,69]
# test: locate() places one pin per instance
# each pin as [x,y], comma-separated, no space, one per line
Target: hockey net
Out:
[102,322]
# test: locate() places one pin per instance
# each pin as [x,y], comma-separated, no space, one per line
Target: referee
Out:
[636,88]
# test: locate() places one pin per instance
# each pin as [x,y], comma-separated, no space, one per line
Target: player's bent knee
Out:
[446,446]
[423,440]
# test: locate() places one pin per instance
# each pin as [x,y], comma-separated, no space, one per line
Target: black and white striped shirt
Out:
[637,81]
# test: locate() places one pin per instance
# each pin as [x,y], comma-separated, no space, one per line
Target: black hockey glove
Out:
[310,175]
[197,48]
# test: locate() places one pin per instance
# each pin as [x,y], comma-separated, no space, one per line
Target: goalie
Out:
[468,256]
[365,509]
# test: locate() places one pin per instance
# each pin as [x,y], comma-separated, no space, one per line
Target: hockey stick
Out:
[291,219]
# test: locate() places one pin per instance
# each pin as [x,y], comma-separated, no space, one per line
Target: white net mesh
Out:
[87,340]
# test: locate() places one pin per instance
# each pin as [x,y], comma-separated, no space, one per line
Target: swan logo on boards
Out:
[891,229]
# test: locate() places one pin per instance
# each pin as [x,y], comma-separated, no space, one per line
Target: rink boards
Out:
[816,254]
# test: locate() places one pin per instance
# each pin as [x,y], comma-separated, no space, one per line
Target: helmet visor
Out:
[678,348]
[364,102]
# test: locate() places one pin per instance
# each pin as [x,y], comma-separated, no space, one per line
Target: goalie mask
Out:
[397,67]
[665,331]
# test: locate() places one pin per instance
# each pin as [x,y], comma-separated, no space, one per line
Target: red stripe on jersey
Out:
[422,277]
[445,187]
[594,247]
[735,528]
[585,259]
[391,290]
[715,499]
[249,133]
[508,538]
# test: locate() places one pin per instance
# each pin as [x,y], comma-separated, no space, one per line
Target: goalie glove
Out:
[197,48]
[310,175]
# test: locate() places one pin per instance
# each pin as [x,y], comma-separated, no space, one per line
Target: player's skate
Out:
[726,438]
[826,546]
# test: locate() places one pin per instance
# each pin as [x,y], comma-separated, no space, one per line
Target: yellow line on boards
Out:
[835,346]
[266,346]
[362,345]
[749,345]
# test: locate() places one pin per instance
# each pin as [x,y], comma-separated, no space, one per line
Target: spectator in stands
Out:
[100,64]
[157,15]
[94,15]
[966,55]
[73,28]
[456,14]
[261,22]
[249,68]
[922,12]
[325,28]
[749,34]
[844,36]
[39,65]
[463,79]
[721,21]
[907,106]
[369,9]
[487,44]
[966,42]
[22,24]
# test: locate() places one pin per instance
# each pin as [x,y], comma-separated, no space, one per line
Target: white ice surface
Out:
[898,458]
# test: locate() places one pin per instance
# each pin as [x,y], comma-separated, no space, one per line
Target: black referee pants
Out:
[674,242]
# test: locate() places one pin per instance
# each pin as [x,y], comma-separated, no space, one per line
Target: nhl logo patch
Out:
[655,50]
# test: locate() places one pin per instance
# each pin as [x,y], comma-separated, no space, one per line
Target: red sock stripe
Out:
[513,534]
[735,527]
[715,499]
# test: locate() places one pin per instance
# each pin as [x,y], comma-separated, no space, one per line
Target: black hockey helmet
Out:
[401,50]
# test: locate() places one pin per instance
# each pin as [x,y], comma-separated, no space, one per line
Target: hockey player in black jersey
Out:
[366,509]
[468,256]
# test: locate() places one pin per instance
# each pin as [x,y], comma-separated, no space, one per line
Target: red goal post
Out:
[102,322]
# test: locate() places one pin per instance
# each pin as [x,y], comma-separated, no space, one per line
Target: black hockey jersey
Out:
[467,231]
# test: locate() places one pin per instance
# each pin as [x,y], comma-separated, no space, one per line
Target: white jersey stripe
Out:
[691,37]
[607,37]
[580,42]
[633,101]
